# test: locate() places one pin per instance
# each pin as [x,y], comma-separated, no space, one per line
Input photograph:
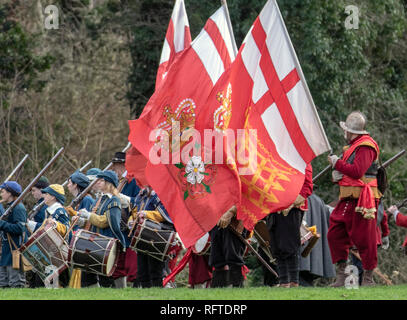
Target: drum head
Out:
[201,243]
[111,259]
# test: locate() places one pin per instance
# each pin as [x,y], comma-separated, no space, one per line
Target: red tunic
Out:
[348,227]
[401,221]
[307,187]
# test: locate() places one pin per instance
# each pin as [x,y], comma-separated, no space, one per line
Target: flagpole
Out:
[301,74]
[225,6]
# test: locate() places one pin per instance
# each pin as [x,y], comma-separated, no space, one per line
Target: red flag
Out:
[177,39]
[266,94]
[135,166]
[194,192]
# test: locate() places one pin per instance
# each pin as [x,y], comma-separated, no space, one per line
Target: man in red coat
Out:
[400,220]
[353,221]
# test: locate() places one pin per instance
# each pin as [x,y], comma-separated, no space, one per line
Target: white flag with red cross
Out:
[177,39]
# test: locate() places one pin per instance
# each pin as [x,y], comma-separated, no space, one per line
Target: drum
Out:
[93,252]
[46,248]
[202,245]
[151,238]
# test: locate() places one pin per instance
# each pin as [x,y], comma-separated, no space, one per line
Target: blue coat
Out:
[58,213]
[15,226]
[131,189]
[111,208]
[86,203]
[149,200]
[40,216]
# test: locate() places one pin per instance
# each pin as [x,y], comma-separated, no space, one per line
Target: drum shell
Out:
[46,247]
[90,251]
[152,238]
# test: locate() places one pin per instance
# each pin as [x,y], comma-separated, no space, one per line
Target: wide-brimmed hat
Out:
[355,123]
[13,187]
[109,176]
[80,179]
[119,157]
[92,173]
[57,191]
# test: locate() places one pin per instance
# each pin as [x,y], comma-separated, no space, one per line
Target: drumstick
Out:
[73,224]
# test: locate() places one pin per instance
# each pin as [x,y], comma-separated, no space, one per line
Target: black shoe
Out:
[220,278]
[236,276]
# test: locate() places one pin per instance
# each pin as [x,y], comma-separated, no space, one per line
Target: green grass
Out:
[260,293]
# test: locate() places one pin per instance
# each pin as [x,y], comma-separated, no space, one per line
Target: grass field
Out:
[260,293]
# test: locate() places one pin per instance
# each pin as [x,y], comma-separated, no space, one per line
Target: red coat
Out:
[401,221]
[383,230]
[307,187]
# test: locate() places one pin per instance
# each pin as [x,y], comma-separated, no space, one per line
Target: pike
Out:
[253,250]
[38,207]
[17,168]
[31,184]
[384,165]
[79,197]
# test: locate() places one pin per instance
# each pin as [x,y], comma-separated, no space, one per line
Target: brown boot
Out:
[340,276]
[367,279]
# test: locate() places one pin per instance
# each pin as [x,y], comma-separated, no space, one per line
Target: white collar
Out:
[51,209]
[107,194]
[124,175]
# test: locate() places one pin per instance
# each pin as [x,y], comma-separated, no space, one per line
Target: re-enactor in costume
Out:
[126,271]
[12,230]
[226,255]
[106,213]
[286,237]
[147,205]
[353,221]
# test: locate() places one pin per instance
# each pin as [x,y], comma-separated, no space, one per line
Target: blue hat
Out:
[109,176]
[13,187]
[80,179]
[92,173]
[57,191]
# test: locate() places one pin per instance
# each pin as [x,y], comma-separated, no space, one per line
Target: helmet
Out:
[355,123]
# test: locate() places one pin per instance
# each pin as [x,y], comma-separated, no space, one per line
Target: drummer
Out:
[78,182]
[106,213]
[150,271]
[12,228]
[54,198]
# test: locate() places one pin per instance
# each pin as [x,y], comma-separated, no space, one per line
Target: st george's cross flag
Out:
[268,96]
[195,193]
[177,39]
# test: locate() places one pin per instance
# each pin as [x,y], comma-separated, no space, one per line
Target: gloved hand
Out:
[80,222]
[71,211]
[392,210]
[336,176]
[385,242]
[224,221]
[85,214]
[31,225]
[299,201]
[124,200]
[332,160]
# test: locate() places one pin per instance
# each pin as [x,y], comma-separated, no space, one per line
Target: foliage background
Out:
[78,85]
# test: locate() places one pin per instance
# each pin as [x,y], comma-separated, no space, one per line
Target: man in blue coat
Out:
[13,226]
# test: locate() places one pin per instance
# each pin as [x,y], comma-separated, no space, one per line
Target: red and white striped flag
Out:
[194,206]
[177,39]
[268,93]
